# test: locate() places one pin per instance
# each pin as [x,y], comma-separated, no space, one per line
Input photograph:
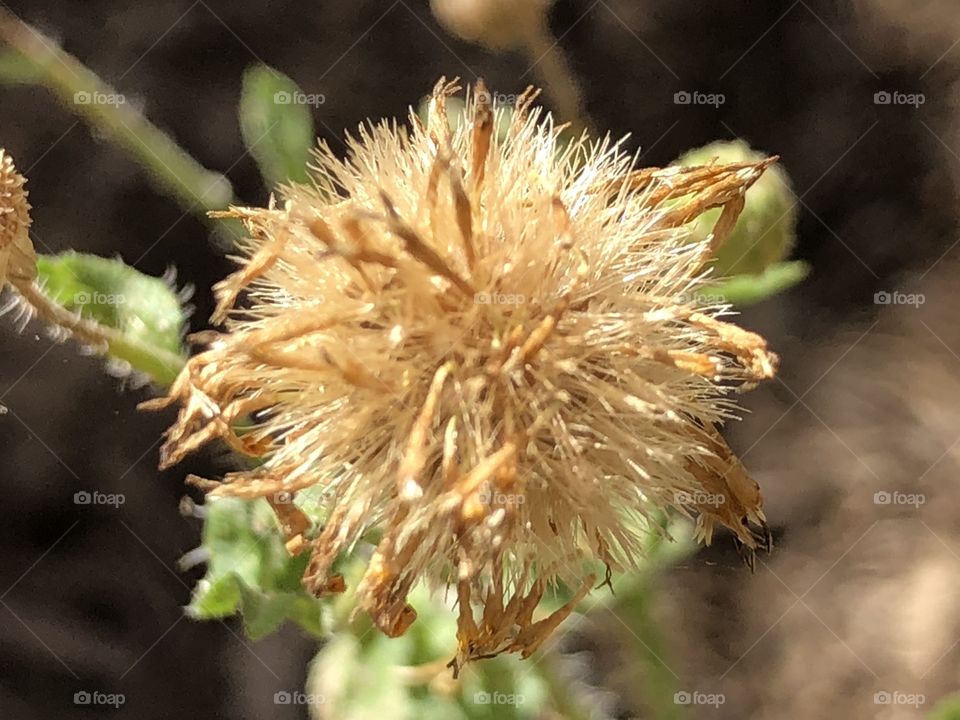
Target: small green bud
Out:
[766,230]
[497,24]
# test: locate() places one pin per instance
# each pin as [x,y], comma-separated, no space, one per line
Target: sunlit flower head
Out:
[489,354]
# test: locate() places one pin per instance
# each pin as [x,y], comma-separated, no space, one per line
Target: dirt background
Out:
[858,598]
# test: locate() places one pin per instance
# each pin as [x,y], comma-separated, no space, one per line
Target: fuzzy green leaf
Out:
[947,709]
[276,124]
[115,295]
[359,680]
[144,311]
[249,571]
[749,289]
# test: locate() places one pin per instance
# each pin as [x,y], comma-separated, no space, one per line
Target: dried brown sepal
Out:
[731,498]
[336,535]
[748,348]
[294,523]
[688,192]
[507,628]
[438,122]
[482,135]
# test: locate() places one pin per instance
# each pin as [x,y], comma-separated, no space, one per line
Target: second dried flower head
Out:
[18,261]
[489,354]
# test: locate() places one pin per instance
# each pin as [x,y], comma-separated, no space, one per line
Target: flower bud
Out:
[766,230]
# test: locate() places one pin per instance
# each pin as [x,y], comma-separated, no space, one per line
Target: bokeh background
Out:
[858,598]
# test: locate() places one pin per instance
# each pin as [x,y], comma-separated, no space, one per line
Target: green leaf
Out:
[276,124]
[142,315]
[264,612]
[503,689]
[646,649]
[115,295]
[947,709]
[363,674]
[750,289]
[249,571]
[361,680]
[215,598]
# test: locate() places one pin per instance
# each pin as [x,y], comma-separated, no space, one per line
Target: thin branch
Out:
[79,89]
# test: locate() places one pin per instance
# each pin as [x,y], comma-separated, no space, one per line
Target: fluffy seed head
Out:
[17,258]
[488,351]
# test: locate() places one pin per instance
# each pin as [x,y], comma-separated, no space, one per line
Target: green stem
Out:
[194,187]
[161,365]
[649,649]
[555,75]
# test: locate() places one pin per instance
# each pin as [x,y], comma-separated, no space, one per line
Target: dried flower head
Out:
[18,262]
[488,350]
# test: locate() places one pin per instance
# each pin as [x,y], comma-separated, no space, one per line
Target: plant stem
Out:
[658,681]
[554,73]
[176,172]
[161,365]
